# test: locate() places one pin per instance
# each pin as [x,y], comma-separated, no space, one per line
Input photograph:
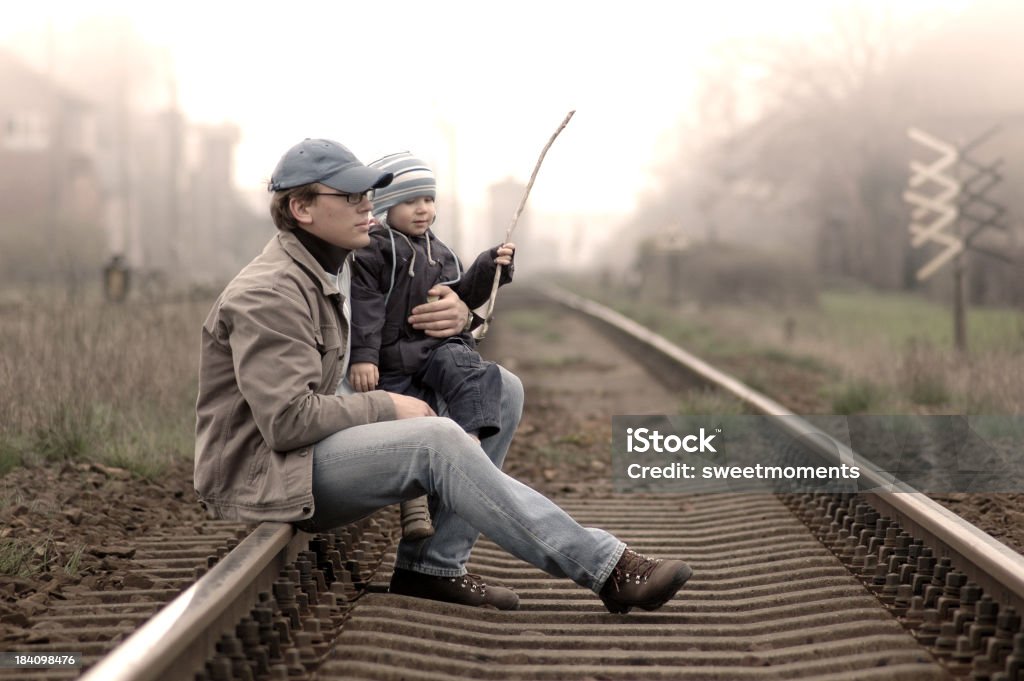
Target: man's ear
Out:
[300,211]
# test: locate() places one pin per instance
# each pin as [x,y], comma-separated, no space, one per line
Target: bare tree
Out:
[802,144]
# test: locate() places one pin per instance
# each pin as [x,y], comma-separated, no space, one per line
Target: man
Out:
[278,437]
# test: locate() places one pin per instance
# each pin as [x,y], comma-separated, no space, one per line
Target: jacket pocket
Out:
[328,339]
[257,467]
[328,344]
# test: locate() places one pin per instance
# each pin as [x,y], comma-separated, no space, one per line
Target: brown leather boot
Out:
[465,590]
[647,583]
[416,519]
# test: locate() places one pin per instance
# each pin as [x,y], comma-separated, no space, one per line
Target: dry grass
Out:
[882,353]
[917,376]
[93,381]
[881,374]
[30,557]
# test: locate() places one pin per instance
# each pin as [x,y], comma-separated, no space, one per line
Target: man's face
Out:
[332,218]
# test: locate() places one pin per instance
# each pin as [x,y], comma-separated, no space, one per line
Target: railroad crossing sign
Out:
[933,193]
[949,212]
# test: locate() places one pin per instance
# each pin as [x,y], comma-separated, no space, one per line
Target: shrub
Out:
[854,397]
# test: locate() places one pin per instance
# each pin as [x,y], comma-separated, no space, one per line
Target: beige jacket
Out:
[273,348]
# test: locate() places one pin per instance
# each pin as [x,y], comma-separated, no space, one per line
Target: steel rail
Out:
[994,566]
[165,647]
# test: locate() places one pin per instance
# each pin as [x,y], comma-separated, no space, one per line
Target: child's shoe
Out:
[416,519]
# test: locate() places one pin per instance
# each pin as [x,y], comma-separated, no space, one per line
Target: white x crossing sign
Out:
[933,193]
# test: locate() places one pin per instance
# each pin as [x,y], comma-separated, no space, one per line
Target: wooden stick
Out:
[482,331]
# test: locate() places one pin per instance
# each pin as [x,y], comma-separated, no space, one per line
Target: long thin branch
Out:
[515,219]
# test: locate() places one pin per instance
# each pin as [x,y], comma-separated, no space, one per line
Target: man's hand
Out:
[505,253]
[409,407]
[444,317]
[363,376]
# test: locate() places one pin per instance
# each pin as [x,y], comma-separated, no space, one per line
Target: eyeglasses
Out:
[353,199]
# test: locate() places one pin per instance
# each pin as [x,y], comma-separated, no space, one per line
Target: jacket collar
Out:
[297,252]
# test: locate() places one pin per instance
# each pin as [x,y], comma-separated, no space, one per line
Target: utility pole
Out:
[174,131]
[53,138]
[959,273]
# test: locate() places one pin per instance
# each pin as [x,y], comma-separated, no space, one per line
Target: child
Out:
[393,275]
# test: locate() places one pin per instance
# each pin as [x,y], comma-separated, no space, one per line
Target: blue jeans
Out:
[364,468]
[460,378]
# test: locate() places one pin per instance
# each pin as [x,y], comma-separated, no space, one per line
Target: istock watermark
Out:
[749,453]
[642,440]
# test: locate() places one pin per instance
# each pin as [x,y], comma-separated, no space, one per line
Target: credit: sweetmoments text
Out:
[811,454]
[640,441]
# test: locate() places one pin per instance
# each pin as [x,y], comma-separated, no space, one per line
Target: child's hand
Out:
[363,376]
[505,253]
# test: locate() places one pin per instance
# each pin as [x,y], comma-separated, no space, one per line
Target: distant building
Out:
[539,251]
[83,181]
[219,233]
[51,205]
[174,209]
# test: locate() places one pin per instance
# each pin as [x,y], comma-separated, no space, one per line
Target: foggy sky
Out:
[488,82]
[501,76]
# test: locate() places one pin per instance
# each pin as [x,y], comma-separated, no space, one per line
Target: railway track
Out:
[884,586]
[766,602]
[163,565]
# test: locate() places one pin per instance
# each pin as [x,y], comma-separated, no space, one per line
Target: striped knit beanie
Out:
[412,178]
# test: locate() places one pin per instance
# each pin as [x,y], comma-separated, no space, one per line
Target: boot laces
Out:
[633,565]
[474,582]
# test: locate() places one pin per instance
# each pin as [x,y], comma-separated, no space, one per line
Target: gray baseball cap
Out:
[326,162]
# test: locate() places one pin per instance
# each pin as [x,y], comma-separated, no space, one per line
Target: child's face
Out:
[412,217]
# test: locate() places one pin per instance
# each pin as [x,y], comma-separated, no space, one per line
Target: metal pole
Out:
[54,139]
[960,264]
[959,304]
